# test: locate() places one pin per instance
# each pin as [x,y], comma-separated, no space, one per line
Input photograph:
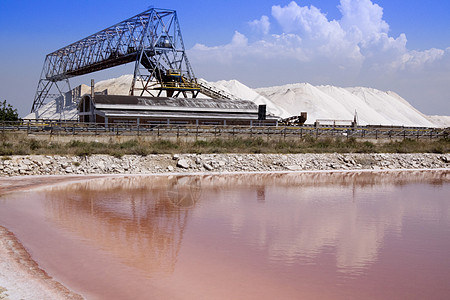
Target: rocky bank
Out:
[191,163]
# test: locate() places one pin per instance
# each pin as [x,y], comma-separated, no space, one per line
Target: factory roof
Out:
[194,103]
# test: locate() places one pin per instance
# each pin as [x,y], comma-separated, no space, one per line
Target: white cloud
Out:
[420,59]
[362,17]
[239,40]
[354,50]
[309,21]
[262,25]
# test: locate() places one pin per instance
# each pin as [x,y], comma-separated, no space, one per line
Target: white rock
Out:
[208,167]
[294,168]
[182,163]
[100,165]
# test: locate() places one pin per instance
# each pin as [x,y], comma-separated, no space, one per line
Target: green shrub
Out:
[141,150]
[34,144]
[129,144]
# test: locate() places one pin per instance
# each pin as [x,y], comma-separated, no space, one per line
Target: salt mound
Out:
[327,102]
[393,107]
[304,97]
[440,121]
[65,107]
[242,91]
[351,103]
[115,86]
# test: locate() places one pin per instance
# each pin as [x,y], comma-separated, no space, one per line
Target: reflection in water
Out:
[146,216]
[261,194]
[285,235]
[308,213]
[184,191]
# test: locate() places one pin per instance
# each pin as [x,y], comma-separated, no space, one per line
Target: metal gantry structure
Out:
[152,40]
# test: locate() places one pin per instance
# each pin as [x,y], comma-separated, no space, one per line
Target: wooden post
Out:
[138,121]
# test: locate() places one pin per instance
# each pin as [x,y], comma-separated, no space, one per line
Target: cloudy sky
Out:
[400,45]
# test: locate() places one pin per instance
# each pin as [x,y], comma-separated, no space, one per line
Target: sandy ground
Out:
[20,275]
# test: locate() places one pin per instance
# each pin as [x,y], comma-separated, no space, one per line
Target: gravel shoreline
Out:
[216,163]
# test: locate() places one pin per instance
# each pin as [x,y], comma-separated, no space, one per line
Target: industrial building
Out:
[111,109]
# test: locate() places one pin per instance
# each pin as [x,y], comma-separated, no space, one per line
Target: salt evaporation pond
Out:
[354,235]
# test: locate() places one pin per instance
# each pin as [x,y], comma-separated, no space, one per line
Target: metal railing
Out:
[220,131]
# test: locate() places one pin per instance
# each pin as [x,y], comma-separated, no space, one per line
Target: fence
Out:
[222,131]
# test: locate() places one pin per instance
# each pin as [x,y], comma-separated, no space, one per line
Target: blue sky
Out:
[400,45]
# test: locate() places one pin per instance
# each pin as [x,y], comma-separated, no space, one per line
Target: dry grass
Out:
[11,145]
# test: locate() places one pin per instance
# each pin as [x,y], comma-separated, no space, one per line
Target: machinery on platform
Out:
[151,40]
[295,120]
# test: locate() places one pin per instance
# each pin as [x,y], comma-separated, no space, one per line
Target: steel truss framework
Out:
[152,40]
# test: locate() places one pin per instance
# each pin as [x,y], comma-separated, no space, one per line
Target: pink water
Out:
[280,236]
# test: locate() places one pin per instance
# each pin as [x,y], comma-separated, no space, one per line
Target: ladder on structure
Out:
[213,92]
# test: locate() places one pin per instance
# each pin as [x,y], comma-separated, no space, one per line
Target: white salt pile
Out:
[372,106]
[242,91]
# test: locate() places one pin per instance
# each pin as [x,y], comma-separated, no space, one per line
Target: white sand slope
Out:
[328,102]
[440,121]
[242,91]
[115,86]
[50,111]
[64,107]
[391,106]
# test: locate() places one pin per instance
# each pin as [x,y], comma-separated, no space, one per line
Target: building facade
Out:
[113,109]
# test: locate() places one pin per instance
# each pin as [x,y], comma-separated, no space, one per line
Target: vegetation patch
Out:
[23,145]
